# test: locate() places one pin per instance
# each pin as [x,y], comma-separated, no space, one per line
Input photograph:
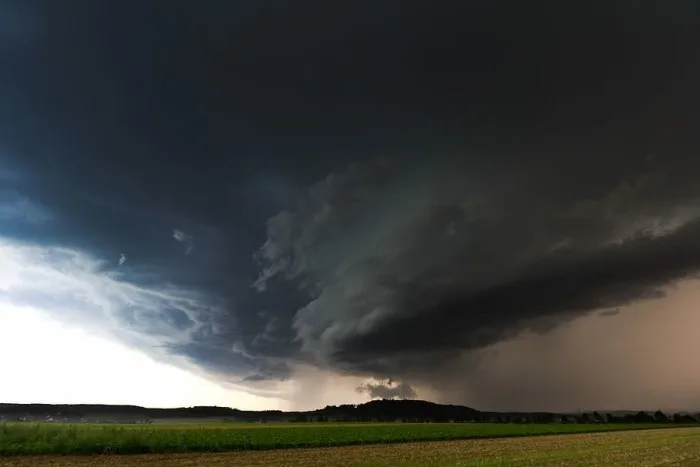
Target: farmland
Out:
[668,447]
[85,439]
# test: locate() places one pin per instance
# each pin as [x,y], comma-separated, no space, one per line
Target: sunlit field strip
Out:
[47,438]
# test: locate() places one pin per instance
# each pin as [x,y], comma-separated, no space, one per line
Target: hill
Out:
[377,410]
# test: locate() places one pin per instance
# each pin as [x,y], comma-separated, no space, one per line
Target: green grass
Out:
[47,438]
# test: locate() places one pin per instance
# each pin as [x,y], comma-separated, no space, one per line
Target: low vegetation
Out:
[668,447]
[65,439]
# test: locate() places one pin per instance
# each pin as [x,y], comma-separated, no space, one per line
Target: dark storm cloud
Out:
[494,167]
[18,24]
[402,268]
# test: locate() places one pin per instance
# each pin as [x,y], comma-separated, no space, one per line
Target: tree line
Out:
[386,410]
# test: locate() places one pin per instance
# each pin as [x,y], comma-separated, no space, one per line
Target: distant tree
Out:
[683,418]
[660,417]
[544,418]
[642,417]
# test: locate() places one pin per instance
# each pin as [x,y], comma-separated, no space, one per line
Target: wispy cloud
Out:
[170,323]
[187,240]
[89,293]
[16,207]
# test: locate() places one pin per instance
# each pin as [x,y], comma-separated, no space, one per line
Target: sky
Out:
[268,205]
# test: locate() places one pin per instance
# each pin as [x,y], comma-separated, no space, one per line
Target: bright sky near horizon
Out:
[46,361]
[81,368]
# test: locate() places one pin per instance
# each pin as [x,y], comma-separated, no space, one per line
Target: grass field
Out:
[27,439]
[647,448]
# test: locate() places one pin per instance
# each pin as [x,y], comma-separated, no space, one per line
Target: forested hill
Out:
[373,410]
[377,410]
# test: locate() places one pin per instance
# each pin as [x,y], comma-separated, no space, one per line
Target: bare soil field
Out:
[668,447]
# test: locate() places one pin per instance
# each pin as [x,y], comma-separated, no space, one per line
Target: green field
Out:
[49,438]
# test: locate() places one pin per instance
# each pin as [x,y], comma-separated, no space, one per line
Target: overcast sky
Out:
[269,204]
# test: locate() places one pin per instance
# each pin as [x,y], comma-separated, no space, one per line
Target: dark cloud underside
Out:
[369,188]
